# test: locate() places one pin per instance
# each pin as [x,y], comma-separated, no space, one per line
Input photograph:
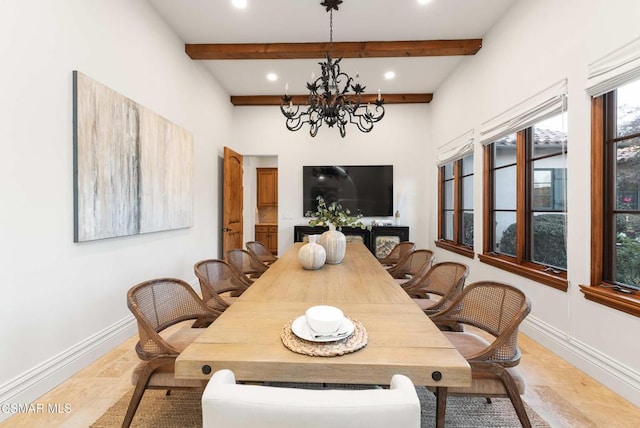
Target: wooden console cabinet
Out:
[379,240]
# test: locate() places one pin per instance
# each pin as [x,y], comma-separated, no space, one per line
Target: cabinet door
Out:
[273,239]
[267,188]
[384,238]
[262,235]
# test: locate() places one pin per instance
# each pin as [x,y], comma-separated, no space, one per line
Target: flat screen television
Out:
[364,189]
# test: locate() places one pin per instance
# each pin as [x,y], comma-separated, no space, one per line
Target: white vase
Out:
[335,244]
[312,255]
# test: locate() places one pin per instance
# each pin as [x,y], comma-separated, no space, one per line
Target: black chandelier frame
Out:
[335,98]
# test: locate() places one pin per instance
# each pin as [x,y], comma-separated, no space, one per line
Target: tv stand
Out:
[379,240]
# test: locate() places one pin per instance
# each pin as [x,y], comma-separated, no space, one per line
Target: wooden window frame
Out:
[521,264]
[599,291]
[454,245]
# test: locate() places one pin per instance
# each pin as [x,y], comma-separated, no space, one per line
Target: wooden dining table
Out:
[246,338]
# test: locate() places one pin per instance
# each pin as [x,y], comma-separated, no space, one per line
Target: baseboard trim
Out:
[37,381]
[618,377]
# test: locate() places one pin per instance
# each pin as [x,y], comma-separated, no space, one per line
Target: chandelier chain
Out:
[331,33]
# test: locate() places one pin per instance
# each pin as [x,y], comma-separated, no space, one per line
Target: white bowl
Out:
[324,319]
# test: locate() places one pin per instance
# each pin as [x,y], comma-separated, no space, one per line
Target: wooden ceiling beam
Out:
[275,100]
[402,49]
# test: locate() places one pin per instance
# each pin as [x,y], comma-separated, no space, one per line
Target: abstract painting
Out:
[133,169]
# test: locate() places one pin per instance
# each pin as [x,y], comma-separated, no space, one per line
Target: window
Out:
[622,186]
[615,199]
[525,202]
[455,220]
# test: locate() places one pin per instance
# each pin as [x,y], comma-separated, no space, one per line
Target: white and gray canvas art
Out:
[133,169]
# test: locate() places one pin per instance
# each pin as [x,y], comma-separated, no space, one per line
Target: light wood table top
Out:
[402,339]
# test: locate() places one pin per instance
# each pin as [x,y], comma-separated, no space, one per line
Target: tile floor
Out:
[560,393]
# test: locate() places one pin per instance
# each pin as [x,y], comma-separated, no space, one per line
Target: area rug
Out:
[181,409]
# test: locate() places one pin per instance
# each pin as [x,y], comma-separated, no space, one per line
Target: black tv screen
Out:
[363,189]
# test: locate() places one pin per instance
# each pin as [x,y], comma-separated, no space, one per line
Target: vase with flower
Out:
[335,217]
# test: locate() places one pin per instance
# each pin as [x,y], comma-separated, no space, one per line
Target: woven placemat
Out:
[356,341]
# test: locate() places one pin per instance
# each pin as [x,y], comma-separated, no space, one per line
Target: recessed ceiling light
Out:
[389,74]
[424,1]
[272,77]
[240,4]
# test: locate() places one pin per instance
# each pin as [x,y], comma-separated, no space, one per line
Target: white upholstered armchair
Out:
[230,405]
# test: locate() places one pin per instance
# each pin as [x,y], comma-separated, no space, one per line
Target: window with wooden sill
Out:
[525,202]
[615,200]
[455,206]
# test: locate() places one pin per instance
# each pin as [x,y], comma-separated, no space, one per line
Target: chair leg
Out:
[141,386]
[441,405]
[514,396]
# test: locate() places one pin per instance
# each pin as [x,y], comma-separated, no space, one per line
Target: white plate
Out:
[301,329]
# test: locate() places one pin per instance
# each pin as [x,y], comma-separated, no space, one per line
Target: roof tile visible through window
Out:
[545,137]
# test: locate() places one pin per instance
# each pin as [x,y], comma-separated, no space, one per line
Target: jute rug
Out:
[182,409]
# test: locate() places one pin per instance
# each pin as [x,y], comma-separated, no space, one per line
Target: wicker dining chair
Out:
[245,264]
[259,251]
[496,310]
[157,305]
[411,265]
[219,283]
[397,253]
[434,290]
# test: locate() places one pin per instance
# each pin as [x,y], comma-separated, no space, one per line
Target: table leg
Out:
[441,405]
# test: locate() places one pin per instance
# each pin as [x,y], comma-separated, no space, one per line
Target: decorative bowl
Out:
[324,319]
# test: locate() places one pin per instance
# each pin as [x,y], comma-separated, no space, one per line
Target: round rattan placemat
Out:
[356,341]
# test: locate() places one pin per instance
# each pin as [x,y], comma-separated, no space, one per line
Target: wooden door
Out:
[232,201]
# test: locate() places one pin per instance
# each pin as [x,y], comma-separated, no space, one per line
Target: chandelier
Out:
[335,98]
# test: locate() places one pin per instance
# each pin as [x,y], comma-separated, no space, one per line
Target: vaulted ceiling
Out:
[420,43]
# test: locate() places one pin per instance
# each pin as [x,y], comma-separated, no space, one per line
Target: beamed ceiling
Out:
[422,44]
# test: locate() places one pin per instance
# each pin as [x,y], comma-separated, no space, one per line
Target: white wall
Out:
[538,43]
[399,139]
[63,304]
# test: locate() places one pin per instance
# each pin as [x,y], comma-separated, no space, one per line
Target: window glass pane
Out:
[467,193]
[627,253]
[505,233]
[628,111]
[504,151]
[448,225]
[628,174]
[549,136]
[504,188]
[467,165]
[548,242]
[467,228]
[448,195]
[448,170]
[541,194]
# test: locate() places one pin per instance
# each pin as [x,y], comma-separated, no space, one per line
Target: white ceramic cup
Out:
[324,319]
